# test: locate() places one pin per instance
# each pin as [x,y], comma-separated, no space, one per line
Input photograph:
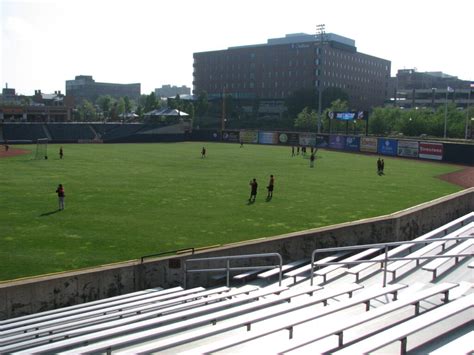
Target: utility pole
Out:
[320,31]
[223,113]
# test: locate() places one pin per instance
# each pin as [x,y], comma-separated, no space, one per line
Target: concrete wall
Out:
[37,294]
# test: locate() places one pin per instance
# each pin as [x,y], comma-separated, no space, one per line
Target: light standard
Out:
[448,89]
[320,31]
[467,112]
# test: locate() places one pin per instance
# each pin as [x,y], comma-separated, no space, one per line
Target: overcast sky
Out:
[44,43]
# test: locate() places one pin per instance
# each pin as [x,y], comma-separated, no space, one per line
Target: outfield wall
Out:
[37,294]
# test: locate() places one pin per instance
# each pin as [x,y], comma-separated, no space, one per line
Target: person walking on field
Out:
[61,195]
[253,190]
[270,186]
[61,152]
[203,152]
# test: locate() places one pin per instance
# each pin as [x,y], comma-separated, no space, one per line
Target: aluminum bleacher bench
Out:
[365,297]
[462,345]
[246,320]
[356,270]
[402,331]
[135,323]
[396,265]
[458,249]
[307,268]
[471,265]
[286,267]
[148,293]
[95,310]
[96,317]
[361,255]
[338,329]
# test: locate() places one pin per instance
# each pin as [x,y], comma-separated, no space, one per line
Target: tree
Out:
[87,111]
[333,94]
[105,103]
[151,103]
[300,99]
[121,107]
[306,119]
[128,104]
[202,104]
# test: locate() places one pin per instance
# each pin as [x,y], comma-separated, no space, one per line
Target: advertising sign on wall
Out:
[337,142]
[408,149]
[288,138]
[249,136]
[368,144]
[267,137]
[230,136]
[430,150]
[387,146]
[307,139]
[352,143]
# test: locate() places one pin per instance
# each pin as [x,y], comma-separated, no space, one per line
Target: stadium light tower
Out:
[320,31]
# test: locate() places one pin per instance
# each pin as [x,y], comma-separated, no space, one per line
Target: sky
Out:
[43,43]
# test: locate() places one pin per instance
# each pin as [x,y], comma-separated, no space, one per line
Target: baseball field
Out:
[124,201]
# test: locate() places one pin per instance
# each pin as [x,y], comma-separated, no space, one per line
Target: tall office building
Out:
[274,70]
[84,87]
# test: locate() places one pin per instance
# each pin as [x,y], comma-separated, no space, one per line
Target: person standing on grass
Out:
[253,190]
[61,195]
[311,160]
[379,166]
[203,152]
[61,152]
[270,186]
[292,150]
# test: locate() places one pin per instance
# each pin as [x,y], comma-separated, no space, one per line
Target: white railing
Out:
[228,267]
[386,259]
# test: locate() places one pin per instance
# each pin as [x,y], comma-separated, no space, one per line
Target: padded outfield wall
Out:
[43,293]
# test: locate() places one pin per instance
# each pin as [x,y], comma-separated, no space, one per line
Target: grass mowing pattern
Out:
[125,201]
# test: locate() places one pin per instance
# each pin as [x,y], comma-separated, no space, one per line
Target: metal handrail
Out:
[386,259]
[167,252]
[227,269]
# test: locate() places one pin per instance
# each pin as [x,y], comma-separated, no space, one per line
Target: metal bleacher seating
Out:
[335,316]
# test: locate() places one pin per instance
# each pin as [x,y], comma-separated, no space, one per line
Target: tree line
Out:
[300,113]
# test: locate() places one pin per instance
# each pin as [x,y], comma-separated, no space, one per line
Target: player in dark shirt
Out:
[203,152]
[270,186]
[61,195]
[253,190]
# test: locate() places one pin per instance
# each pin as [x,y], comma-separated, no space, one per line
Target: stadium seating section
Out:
[347,310]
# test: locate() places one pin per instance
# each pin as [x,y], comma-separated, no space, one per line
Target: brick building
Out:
[274,70]
[84,87]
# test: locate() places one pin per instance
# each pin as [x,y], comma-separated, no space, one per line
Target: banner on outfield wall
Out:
[322,141]
[231,136]
[288,138]
[368,144]
[430,150]
[249,136]
[337,142]
[307,139]
[387,146]
[352,144]
[408,149]
[267,137]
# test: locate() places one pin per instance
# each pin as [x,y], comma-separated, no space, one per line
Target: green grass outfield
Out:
[124,201]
